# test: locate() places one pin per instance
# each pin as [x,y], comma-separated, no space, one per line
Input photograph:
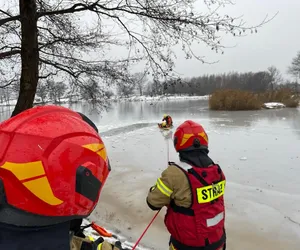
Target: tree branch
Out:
[9,19]
[6,54]
[59,67]
[10,82]
[48,75]
[5,13]
[75,8]
[6,85]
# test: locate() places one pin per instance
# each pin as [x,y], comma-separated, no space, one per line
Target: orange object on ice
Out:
[100,230]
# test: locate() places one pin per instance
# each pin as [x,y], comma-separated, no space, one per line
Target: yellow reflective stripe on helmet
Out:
[163,188]
[99,246]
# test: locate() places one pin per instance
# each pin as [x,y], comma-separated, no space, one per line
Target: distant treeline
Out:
[206,84]
[51,91]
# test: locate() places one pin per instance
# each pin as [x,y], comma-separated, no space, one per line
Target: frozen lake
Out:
[259,152]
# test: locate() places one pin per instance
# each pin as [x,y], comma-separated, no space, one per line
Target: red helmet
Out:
[53,165]
[190,136]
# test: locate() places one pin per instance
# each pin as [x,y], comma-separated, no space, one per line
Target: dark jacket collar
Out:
[35,238]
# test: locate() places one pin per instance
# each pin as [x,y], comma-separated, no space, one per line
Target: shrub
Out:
[284,95]
[234,99]
[108,94]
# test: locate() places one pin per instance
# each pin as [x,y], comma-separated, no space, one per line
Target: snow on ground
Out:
[13,102]
[130,99]
[9,103]
[273,105]
[160,98]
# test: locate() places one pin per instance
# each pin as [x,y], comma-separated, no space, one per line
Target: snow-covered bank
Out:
[9,103]
[159,98]
[123,99]
[273,105]
[151,99]
[13,102]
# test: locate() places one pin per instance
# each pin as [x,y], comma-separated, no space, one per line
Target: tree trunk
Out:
[29,56]
[140,89]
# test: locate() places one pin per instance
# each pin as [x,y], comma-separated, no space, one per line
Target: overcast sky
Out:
[276,43]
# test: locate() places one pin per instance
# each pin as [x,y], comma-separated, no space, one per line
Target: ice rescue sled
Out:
[164,128]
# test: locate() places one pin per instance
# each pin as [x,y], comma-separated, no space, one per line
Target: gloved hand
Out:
[108,246]
[80,241]
[89,243]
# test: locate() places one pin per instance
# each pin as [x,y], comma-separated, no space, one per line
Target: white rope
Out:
[168,151]
[167,135]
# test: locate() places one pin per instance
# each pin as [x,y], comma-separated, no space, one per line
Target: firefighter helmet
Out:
[53,165]
[190,136]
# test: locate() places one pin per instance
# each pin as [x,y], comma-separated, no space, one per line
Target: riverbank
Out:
[133,98]
[152,100]
[237,99]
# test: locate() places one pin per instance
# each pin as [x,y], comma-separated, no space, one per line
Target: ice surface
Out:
[257,152]
[262,195]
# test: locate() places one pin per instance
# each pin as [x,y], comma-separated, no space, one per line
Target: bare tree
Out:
[56,90]
[206,84]
[156,87]
[69,39]
[14,88]
[126,88]
[108,94]
[42,91]
[140,78]
[294,69]
[1,95]
[275,77]
[5,94]
[90,91]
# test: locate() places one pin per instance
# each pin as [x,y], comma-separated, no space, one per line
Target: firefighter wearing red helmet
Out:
[53,165]
[193,191]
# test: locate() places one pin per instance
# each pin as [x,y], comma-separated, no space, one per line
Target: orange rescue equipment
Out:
[100,230]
